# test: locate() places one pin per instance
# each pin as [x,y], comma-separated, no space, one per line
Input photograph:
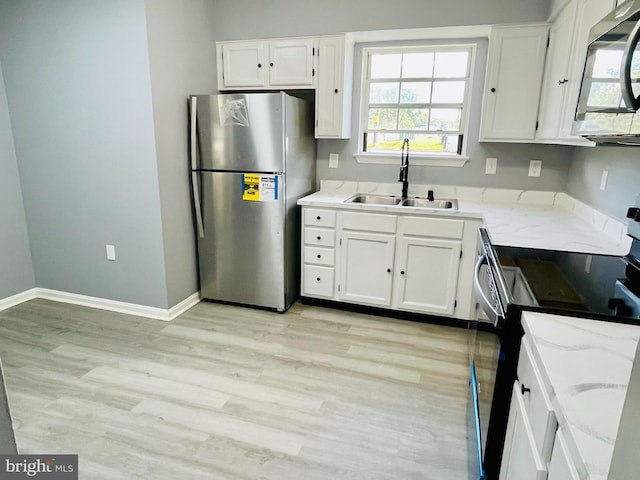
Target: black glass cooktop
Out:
[565,281]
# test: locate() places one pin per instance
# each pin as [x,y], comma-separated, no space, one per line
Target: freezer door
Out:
[240,132]
[241,255]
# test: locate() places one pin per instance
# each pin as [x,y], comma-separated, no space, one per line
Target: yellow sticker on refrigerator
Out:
[259,188]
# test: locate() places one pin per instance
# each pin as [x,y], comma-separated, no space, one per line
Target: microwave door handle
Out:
[629,98]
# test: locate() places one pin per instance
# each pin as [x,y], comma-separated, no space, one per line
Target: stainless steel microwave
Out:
[607,110]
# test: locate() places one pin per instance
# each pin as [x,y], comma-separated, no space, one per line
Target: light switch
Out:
[111,252]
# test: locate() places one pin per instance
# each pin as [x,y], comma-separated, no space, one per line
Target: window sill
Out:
[415,159]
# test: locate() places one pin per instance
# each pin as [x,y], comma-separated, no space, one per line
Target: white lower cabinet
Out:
[366,267]
[561,466]
[399,261]
[520,459]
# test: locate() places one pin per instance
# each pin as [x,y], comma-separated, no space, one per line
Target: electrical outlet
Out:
[603,179]
[111,253]
[333,160]
[491,166]
[535,167]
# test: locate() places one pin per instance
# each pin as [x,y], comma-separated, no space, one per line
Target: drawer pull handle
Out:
[318,237]
[318,217]
[388,270]
[524,389]
[401,272]
[319,255]
[317,279]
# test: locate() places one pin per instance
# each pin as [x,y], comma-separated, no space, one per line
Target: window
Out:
[419,93]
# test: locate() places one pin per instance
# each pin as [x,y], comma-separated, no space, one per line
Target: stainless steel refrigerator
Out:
[252,157]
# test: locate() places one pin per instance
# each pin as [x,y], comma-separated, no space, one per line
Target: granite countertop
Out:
[517,218]
[586,366]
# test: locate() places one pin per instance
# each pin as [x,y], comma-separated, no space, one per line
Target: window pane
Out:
[604,94]
[451,64]
[448,92]
[384,92]
[419,143]
[386,66]
[383,118]
[607,64]
[417,65]
[415,92]
[413,118]
[447,119]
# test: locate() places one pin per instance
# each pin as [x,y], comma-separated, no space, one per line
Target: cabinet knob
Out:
[336,90]
[401,272]
[318,255]
[318,217]
[524,389]
[388,270]
[317,279]
[271,64]
[493,90]
[259,65]
[318,237]
[563,81]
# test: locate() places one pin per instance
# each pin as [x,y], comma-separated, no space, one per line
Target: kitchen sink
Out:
[375,199]
[426,203]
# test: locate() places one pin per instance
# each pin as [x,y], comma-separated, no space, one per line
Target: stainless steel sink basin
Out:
[375,199]
[426,203]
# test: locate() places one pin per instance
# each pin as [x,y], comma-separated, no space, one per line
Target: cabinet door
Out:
[329,93]
[427,275]
[243,64]
[512,87]
[520,459]
[366,268]
[555,81]
[561,466]
[291,62]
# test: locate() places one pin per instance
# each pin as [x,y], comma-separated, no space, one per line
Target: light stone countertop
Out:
[586,366]
[517,218]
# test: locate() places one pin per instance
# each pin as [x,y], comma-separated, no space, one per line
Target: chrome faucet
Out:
[404,168]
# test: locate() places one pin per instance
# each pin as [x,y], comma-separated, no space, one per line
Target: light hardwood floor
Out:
[231,393]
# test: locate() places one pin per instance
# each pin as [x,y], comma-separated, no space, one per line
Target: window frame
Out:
[418,158]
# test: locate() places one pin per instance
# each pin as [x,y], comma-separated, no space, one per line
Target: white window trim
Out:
[420,159]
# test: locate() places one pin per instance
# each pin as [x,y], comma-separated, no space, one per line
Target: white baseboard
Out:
[17,298]
[103,303]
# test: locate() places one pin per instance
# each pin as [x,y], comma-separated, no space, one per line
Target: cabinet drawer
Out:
[319,236]
[370,222]
[317,281]
[319,217]
[431,227]
[319,256]
[536,401]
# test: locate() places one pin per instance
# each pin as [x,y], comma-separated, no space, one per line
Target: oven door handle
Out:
[482,260]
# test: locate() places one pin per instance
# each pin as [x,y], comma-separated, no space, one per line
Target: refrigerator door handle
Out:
[196,203]
[193,139]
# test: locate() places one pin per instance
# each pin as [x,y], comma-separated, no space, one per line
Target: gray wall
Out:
[291,17]
[15,257]
[78,87]
[623,184]
[182,59]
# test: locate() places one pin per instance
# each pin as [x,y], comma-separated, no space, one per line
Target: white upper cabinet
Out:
[333,93]
[323,64]
[263,64]
[291,62]
[512,87]
[564,66]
